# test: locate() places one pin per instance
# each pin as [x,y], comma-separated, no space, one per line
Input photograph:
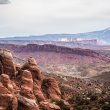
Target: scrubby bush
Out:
[106,107]
[93,97]
[61,105]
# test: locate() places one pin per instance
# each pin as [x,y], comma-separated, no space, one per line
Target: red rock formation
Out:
[5,97]
[26,97]
[8,99]
[31,65]
[29,89]
[6,63]
[38,91]
[6,82]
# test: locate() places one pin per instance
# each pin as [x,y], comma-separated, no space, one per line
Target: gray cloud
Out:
[25,17]
[4,1]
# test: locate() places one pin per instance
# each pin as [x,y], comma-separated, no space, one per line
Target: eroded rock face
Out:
[6,97]
[6,82]
[6,63]
[26,97]
[31,65]
[26,88]
[8,100]
[38,91]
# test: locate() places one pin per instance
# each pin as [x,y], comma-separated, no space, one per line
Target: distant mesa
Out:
[101,35]
[54,54]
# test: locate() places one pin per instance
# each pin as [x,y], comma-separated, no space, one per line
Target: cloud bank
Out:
[4,1]
[29,17]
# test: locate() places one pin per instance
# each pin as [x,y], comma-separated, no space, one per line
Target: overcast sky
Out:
[34,17]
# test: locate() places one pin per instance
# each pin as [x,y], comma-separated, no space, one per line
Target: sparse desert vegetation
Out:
[84,82]
[85,94]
